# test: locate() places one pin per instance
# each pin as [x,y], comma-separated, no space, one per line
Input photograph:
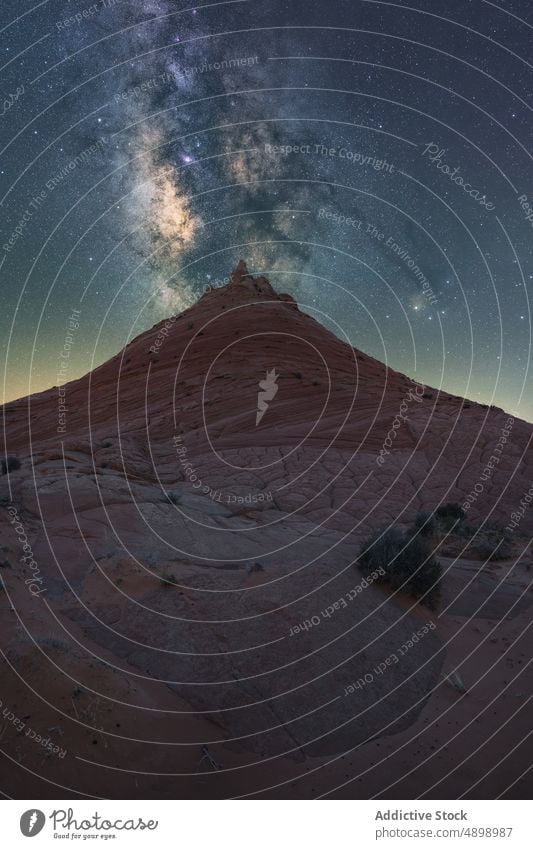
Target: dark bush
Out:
[173,497]
[407,563]
[10,464]
[466,529]
[425,524]
[490,546]
[378,551]
[449,517]
[450,510]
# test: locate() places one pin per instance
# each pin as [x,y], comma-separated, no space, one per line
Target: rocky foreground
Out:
[188,619]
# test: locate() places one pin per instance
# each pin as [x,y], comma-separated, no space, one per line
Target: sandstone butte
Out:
[180,546]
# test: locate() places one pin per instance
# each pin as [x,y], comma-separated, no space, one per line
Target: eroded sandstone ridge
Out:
[197,560]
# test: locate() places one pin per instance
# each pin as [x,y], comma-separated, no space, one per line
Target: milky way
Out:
[369,157]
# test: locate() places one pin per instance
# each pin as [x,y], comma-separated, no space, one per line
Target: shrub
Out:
[425,523]
[490,548]
[451,510]
[407,563]
[422,572]
[378,551]
[167,580]
[499,530]
[449,516]
[10,464]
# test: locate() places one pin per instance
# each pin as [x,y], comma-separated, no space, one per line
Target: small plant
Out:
[10,464]
[490,548]
[425,524]
[378,552]
[406,563]
[449,516]
[481,549]
[173,497]
[450,510]
[167,580]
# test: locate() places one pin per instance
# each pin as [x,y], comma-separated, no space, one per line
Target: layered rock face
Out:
[196,523]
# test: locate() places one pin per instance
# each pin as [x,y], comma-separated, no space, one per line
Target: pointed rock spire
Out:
[240,272]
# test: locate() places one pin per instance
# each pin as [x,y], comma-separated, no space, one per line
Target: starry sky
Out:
[371,158]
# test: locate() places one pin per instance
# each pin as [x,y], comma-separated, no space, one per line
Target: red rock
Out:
[110,507]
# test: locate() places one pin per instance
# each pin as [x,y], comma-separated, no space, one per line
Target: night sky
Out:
[371,158]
